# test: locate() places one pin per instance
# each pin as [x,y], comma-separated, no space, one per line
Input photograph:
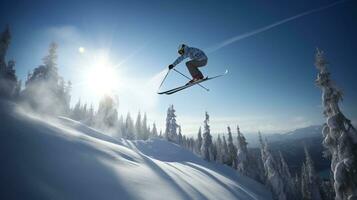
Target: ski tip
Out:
[161,93]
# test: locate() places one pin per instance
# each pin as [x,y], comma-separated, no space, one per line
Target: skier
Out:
[198,59]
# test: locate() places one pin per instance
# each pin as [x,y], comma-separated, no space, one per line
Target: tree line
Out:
[264,165]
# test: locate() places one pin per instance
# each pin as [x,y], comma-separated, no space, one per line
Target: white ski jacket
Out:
[192,53]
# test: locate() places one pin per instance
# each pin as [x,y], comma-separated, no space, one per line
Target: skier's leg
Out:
[193,66]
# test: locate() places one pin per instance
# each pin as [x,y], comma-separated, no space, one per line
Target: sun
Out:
[102,77]
[81,50]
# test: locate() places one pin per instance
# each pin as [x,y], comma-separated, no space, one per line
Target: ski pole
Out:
[163,80]
[190,79]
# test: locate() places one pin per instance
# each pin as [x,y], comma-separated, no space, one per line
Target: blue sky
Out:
[270,86]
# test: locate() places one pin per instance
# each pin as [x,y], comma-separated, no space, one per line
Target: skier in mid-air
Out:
[198,59]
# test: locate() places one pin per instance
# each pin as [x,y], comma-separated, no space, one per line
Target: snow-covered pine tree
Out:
[289,187]
[273,179]
[232,151]
[148,132]
[305,192]
[179,136]
[129,128]
[50,62]
[242,154]
[120,128]
[219,147]
[144,128]
[67,97]
[198,142]
[5,40]
[171,125]
[340,137]
[107,114]
[261,142]
[310,179]
[225,155]
[206,148]
[192,144]
[138,127]
[45,91]
[9,85]
[297,186]
[184,142]
[90,119]
[327,190]
[154,131]
[76,112]
[160,135]
[84,112]
[214,151]
[256,167]
[187,142]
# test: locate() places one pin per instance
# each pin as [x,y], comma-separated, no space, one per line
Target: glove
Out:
[171,67]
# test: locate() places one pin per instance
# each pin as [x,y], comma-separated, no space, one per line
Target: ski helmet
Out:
[181,49]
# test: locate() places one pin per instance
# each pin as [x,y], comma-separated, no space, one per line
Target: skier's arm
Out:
[179,59]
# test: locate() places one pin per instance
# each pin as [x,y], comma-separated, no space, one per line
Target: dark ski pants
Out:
[193,66]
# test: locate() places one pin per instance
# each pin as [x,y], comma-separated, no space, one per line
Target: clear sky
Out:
[270,86]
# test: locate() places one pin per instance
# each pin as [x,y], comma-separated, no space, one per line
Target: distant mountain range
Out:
[291,145]
[301,133]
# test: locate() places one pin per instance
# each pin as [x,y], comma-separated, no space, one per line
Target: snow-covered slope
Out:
[63,159]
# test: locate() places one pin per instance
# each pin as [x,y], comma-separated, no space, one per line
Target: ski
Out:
[174,90]
[182,87]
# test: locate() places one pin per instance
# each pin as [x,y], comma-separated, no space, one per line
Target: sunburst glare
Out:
[101,77]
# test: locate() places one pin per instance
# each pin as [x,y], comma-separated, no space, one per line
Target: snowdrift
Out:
[42,158]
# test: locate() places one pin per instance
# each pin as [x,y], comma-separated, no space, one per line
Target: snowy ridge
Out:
[64,159]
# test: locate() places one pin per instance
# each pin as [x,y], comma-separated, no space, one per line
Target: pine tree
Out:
[129,128]
[192,144]
[76,112]
[199,142]
[50,62]
[305,192]
[340,137]
[214,152]
[220,150]
[90,120]
[171,125]
[206,148]
[138,127]
[45,90]
[297,186]
[242,154]
[327,190]
[160,135]
[8,81]
[84,112]
[144,128]
[289,187]
[232,151]
[107,115]
[310,179]
[120,128]
[5,39]
[271,167]
[154,131]
[9,85]
[225,155]
[179,136]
